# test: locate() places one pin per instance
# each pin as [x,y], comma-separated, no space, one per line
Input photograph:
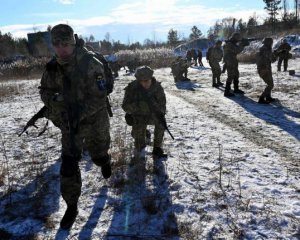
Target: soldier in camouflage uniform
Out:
[232,48]
[180,69]
[214,56]
[283,54]
[194,56]
[188,56]
[144,101]
[72,89]
[265,57]
[199,56]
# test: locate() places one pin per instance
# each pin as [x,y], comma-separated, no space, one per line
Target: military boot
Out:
[219,82]
[227,92]
[106,170]
[270,99]
[159,153]
[262,100]
[69,217]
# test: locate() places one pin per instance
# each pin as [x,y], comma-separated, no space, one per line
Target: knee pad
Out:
[102,160]
[69,166]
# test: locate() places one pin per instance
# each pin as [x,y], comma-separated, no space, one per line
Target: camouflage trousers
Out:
[216,71]
[285,64]
[232,76]
[93,134]
[139,133]
[268,79]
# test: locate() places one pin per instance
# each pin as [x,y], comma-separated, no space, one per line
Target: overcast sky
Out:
[125,20]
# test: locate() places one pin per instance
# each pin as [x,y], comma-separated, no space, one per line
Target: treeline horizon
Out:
[279,21]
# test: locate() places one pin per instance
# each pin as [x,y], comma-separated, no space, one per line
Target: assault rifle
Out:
[31,122]
[160,116]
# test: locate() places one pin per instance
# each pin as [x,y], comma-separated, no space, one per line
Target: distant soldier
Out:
[232,48]
[200,58]
[188,57]
[194,56]
[283,52]
[145,104]
[180,69]
[214,56]
[265,57]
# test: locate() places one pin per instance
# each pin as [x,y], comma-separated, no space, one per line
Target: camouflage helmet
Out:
[268,41]
[143,73]
[235,36]
[62,33]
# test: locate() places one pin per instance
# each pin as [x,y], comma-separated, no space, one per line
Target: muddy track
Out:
[256,135]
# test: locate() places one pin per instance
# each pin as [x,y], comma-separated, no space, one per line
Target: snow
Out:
[232,170]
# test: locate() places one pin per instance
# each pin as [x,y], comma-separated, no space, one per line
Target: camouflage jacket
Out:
[231,51]
[264,58]
[143,103]
[283,50]
[77,83]
[179,66]
[214,54]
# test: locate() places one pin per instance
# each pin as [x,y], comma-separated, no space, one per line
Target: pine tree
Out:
[173,37]
[272,7]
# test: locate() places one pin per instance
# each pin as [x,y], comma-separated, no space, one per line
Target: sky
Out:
[128,21]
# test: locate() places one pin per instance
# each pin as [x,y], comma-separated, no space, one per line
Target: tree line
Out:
[280,17]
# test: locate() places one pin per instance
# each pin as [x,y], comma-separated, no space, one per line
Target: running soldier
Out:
[74,91]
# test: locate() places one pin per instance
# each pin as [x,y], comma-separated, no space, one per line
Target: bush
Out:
[155,58]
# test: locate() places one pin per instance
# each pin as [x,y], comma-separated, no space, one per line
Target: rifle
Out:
[108,106]
[160,116]
[31,122]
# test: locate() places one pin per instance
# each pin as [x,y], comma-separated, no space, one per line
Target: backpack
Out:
[108,81]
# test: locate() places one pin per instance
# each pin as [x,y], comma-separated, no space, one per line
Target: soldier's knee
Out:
[100,161]
[69,166]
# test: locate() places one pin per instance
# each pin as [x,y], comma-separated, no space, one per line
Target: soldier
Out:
[283,54]
[180,69]
[145,103]
[200,58]
[74,91]
[214,56]
[231,48]
[194,56]
[265,57]
[189,57]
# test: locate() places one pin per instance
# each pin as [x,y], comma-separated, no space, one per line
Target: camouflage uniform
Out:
[265,57]
[195,56]
[144,105]
[231,50]
[199,56]
[188,56]
[283,54]
[180,69]
[71,88]
[214,56]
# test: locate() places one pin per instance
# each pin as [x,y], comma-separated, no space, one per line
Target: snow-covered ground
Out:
[232,170]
